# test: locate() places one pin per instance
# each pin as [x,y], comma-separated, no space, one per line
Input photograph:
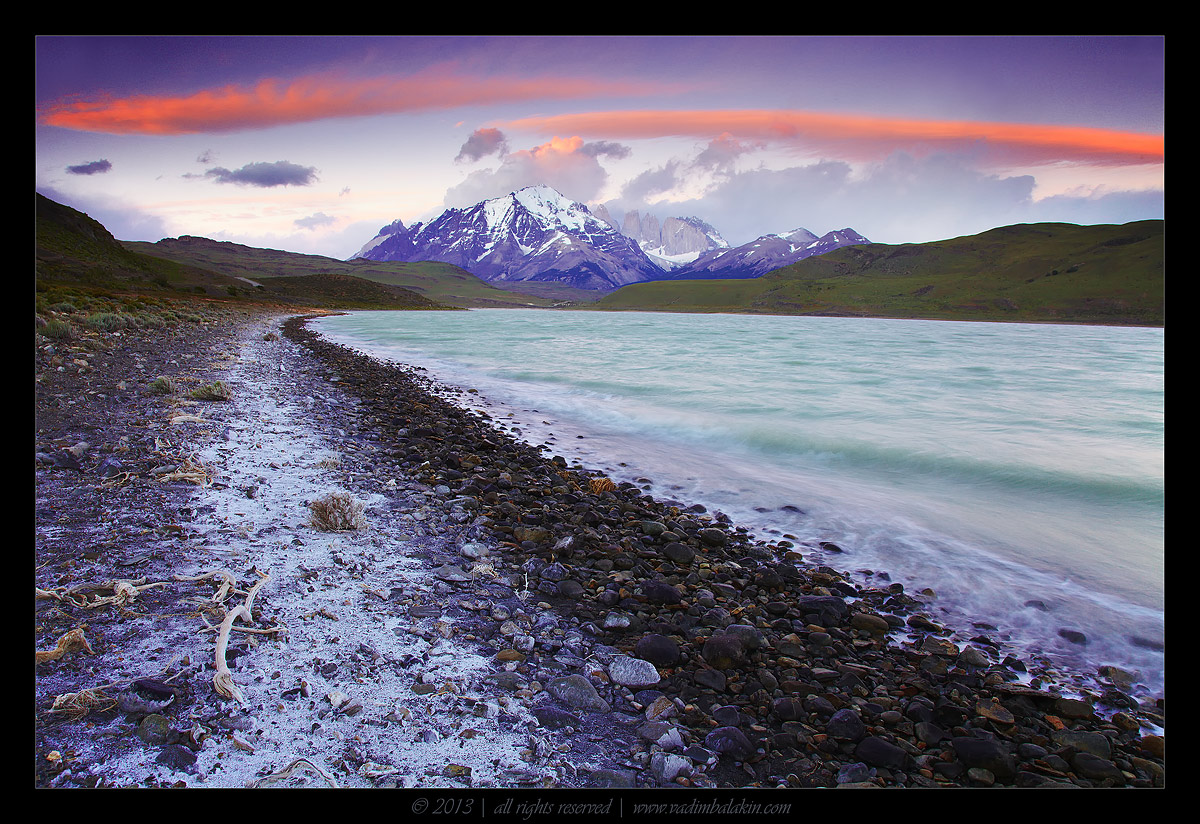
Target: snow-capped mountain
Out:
[532,234]
[765,254]
[537,234]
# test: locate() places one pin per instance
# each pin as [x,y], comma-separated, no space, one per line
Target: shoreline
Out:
[624,643]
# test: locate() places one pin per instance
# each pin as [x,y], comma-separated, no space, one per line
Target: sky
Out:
[312,144]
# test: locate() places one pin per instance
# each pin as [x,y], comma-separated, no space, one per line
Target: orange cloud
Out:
[865,137]
[274,102]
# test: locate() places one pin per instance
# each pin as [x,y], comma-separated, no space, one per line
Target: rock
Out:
[990,754]
[1074,708]
[666,767]
[613,779]
[724,651]
[554,718]
[633,672]
[879,752]
[789,708]
[660,592]
[712,536]
[681,554]
[856,773]
[846,723]
[825,605]
[713,679]
[177,757]
[1095,768]
[870,623]
[993,710]
[750,636]
[451,574]
[578,692]
[661,708]
[658,650]
[662,734]
[1074,636]
[730,741]
[156,729]
[1095,743]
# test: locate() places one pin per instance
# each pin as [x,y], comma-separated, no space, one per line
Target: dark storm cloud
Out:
[481,143]
[94,168]
[266,175]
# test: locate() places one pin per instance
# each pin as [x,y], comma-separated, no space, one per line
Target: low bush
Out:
[336,512]
[162,385]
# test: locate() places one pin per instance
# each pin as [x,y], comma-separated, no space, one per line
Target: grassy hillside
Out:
[77,258]
[1048,272]
[440,282]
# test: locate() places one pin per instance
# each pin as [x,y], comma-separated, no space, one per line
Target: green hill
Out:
[442,283]
[1044,272]
[76,255]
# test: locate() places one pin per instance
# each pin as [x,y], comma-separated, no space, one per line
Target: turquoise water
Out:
[996,464]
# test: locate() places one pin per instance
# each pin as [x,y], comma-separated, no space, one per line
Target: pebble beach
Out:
[432,603]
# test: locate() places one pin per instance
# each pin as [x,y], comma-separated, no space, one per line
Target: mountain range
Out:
[538,234]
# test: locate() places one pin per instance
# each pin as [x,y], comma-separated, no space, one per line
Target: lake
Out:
[1015,471]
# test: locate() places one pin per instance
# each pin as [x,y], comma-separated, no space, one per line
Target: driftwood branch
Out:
[223,680]
[69,642]
[287,771]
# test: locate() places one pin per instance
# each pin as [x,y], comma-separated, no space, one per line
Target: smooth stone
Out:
[681,554]
[1074,708]
[713,536]
[870,623]
[633,672]
[578,692]
[659,650]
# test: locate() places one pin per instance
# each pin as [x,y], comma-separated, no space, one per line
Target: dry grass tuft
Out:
[215,391]
[336,512]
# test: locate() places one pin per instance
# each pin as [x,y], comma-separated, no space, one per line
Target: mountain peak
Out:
[535,233]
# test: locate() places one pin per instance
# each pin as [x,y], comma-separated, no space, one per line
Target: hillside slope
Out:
[440,282]
[1046,272]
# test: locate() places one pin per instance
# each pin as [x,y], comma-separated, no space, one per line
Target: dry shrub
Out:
[215,391]
[336,512]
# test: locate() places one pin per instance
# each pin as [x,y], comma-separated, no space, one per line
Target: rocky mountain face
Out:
[537,234]
[675,242]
